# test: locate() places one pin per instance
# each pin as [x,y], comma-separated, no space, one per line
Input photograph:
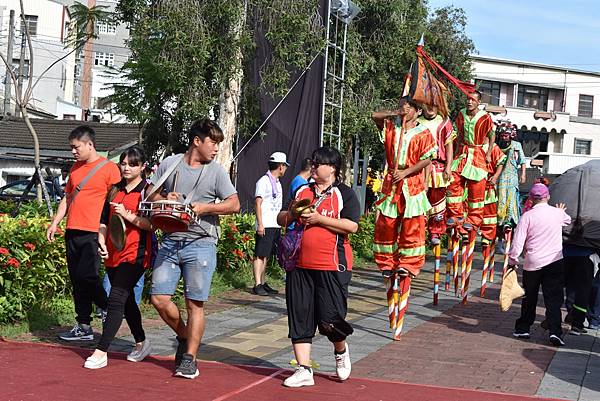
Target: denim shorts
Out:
[194,259]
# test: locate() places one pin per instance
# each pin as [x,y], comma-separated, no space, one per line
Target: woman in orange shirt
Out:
[125,267]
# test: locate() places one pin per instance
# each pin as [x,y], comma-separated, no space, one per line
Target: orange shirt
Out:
[84,212]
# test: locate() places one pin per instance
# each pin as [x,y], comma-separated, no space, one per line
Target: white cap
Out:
[279,157]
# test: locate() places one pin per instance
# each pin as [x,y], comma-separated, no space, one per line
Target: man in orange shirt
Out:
[91,178]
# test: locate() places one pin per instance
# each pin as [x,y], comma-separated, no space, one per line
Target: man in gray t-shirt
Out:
[201,182]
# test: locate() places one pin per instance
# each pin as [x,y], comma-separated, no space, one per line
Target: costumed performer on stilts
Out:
[399,243]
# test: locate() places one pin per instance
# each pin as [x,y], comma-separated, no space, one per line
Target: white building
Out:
[556,109]
[47,21]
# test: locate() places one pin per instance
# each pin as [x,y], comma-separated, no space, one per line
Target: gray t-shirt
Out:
[214,184]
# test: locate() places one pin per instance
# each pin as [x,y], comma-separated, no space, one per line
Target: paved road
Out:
[464,346]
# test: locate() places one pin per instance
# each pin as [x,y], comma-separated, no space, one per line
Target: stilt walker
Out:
[469,168]
[399,243]
[439,172]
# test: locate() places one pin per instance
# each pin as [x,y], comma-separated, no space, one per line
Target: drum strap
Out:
[164,177]
[190,196]
[80,186]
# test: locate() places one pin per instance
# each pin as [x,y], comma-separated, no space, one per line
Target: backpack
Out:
[288,248]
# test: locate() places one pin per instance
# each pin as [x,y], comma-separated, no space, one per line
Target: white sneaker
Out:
[93,363]
[301,377]
[139,355]
[343,367]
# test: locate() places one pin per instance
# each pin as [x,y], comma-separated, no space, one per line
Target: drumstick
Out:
[175,181]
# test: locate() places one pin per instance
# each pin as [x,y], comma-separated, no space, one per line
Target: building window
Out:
[16,63]
[533,97]
[68,116]
[107,28]
[490,92]
[586,106]
[31,21]
[583,147]
[105,59]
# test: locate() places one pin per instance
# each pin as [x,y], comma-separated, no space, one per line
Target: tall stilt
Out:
[449,261]
[391,284]
[436,274]
[492,263]
[484,274]
[404,291]
[463,265]
[469,265]
[455,255]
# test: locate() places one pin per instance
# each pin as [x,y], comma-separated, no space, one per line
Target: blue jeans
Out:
[137,290]
[193,259]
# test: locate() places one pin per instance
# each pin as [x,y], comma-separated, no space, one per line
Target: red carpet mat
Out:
[43,372]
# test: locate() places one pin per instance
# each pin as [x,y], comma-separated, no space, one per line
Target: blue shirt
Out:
[297,182]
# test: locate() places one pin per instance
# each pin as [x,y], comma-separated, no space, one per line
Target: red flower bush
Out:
[13,262]
[3,251]
[29,246]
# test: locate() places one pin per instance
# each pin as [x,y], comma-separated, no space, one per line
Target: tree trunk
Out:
[41,187]
[229,101]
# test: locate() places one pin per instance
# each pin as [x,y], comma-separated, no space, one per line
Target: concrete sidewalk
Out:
[463,346]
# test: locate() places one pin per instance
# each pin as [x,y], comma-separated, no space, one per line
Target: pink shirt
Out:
[539,234]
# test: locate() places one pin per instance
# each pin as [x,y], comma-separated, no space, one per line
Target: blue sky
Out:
[565,33]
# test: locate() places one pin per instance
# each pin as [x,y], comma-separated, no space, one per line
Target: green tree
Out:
[382,44]
[190,58]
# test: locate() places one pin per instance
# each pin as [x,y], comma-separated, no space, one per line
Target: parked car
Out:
[15,189]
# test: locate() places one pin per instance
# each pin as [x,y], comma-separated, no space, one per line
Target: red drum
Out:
[168,216]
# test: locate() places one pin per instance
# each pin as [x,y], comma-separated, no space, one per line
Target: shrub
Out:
[362,241]
[32,270]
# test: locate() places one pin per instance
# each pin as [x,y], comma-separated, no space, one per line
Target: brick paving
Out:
[460,346]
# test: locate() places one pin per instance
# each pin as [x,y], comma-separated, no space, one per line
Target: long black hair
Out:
[135,155]
[330,156]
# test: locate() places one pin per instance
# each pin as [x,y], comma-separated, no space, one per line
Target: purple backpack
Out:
[288,248]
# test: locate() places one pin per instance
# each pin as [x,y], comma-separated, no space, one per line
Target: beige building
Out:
[556,109]
[47,21]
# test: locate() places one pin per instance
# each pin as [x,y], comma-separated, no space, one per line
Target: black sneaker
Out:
[576,331]
[187,368]
[556,340]
[260,290]
[521,334]
[78,333]
[270,290]
[181,349]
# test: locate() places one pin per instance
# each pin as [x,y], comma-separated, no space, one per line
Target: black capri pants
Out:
[316,298]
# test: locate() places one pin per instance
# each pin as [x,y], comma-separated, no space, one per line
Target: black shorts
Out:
[265,245]
[314,297]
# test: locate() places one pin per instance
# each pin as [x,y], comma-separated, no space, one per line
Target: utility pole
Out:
[21,65]
[9,57]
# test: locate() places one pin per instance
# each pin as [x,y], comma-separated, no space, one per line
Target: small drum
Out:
[168,216]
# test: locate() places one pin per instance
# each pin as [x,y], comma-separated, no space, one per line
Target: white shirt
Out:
[271,206]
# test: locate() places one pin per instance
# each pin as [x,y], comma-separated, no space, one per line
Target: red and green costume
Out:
[400,226]
[443,133]
[469,169]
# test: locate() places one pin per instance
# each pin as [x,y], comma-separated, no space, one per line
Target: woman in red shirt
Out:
[317,289]
[125,267]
